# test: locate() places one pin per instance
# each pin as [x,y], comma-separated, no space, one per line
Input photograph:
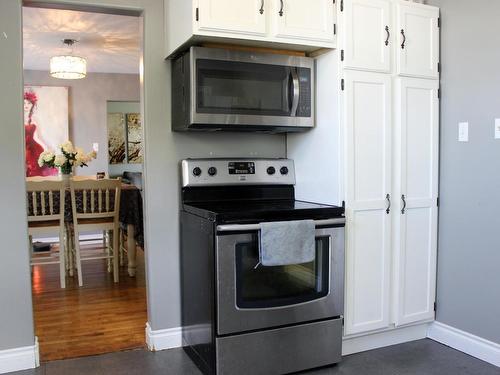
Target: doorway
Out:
[101,315]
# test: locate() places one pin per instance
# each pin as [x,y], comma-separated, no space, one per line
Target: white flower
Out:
[49,155]
[45,158]
[68,147]
[60,160]
[80,159]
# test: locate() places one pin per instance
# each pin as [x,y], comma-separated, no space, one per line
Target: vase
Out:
[65,177]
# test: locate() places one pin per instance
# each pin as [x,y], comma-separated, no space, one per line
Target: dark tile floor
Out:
[423,357]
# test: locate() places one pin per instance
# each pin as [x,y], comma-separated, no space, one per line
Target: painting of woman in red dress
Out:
[33,149]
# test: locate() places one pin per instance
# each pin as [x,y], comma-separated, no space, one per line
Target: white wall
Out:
[88,108]
[317,153]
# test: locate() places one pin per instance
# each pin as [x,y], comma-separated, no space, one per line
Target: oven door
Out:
[250,297]
[241,88]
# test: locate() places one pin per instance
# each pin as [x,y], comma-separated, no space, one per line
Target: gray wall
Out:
[468,295]
[163,150]
[87,108]
[16,318]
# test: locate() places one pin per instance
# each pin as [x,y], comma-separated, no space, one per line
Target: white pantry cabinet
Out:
[376,31]
[367,34]
[391,162]
[367,104]
[418,40]
[416,181]
[284,24]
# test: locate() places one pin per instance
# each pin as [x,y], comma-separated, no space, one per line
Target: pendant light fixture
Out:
[68,66]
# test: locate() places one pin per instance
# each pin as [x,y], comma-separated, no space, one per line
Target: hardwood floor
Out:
[101,317]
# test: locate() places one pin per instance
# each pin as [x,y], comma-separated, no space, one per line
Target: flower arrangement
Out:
[69,157]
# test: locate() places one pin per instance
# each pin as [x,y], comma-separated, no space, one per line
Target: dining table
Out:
[130,216]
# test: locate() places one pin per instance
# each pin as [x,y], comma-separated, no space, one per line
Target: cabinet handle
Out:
[403,198]
[388,35]
[281,9]
[388,209]
[261,10]
[404,39]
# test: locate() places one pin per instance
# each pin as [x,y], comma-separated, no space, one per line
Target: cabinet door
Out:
[306,20]
[367,111]
[416,143]
[418,40]
[367,34]
[233,16]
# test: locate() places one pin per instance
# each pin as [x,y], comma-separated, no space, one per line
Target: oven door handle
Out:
[252,227]
[295,91]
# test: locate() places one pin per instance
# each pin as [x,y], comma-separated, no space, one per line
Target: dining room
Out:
[84,162]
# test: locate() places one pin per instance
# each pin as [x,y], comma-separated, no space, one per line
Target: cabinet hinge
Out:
[334,29]
[341,5]
[439,93]
[439,21]
[435,306]
[342,84]
[197,14]
[341,55]
[439,67]
[437,201]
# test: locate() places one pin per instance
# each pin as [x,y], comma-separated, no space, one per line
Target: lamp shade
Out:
[68,67]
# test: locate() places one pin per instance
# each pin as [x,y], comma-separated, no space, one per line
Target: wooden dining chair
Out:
[96,208]
[46,217]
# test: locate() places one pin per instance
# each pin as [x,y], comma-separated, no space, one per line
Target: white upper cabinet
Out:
[417,148]
[314,21]
[367,35]
[233,16]
[303,25]
[367,112]
[417,40]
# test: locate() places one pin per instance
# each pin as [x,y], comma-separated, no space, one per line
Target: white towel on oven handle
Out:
[287,242]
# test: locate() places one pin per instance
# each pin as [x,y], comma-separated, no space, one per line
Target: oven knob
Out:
[197,171]
[271,170]
[212,171]
[284,170]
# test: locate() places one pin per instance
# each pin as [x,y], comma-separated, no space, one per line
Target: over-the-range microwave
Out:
[218,89]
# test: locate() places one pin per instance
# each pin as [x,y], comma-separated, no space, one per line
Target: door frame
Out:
[149,12]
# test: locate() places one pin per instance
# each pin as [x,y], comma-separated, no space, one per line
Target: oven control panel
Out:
[224,172]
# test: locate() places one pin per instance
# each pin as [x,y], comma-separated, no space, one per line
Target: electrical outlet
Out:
[497,128]
[463,132]
[95,147]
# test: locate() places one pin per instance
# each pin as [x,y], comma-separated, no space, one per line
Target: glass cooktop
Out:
[255,211]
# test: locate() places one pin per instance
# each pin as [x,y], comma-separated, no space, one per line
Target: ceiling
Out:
[110,43]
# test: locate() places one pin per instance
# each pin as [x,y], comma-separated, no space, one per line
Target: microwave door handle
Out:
[296,92]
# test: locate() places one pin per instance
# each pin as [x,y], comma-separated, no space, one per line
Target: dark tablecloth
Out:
[130,209]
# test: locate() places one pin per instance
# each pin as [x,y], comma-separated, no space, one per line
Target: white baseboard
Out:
[163,338]
[18,359]
[351,345]
[470,344]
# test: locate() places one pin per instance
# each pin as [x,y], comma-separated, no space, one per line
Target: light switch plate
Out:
[463,132]
[95,147]
[497,128]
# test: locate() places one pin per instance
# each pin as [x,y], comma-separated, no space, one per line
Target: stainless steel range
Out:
[240,317]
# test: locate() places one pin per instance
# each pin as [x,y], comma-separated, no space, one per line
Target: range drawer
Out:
[280,351]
